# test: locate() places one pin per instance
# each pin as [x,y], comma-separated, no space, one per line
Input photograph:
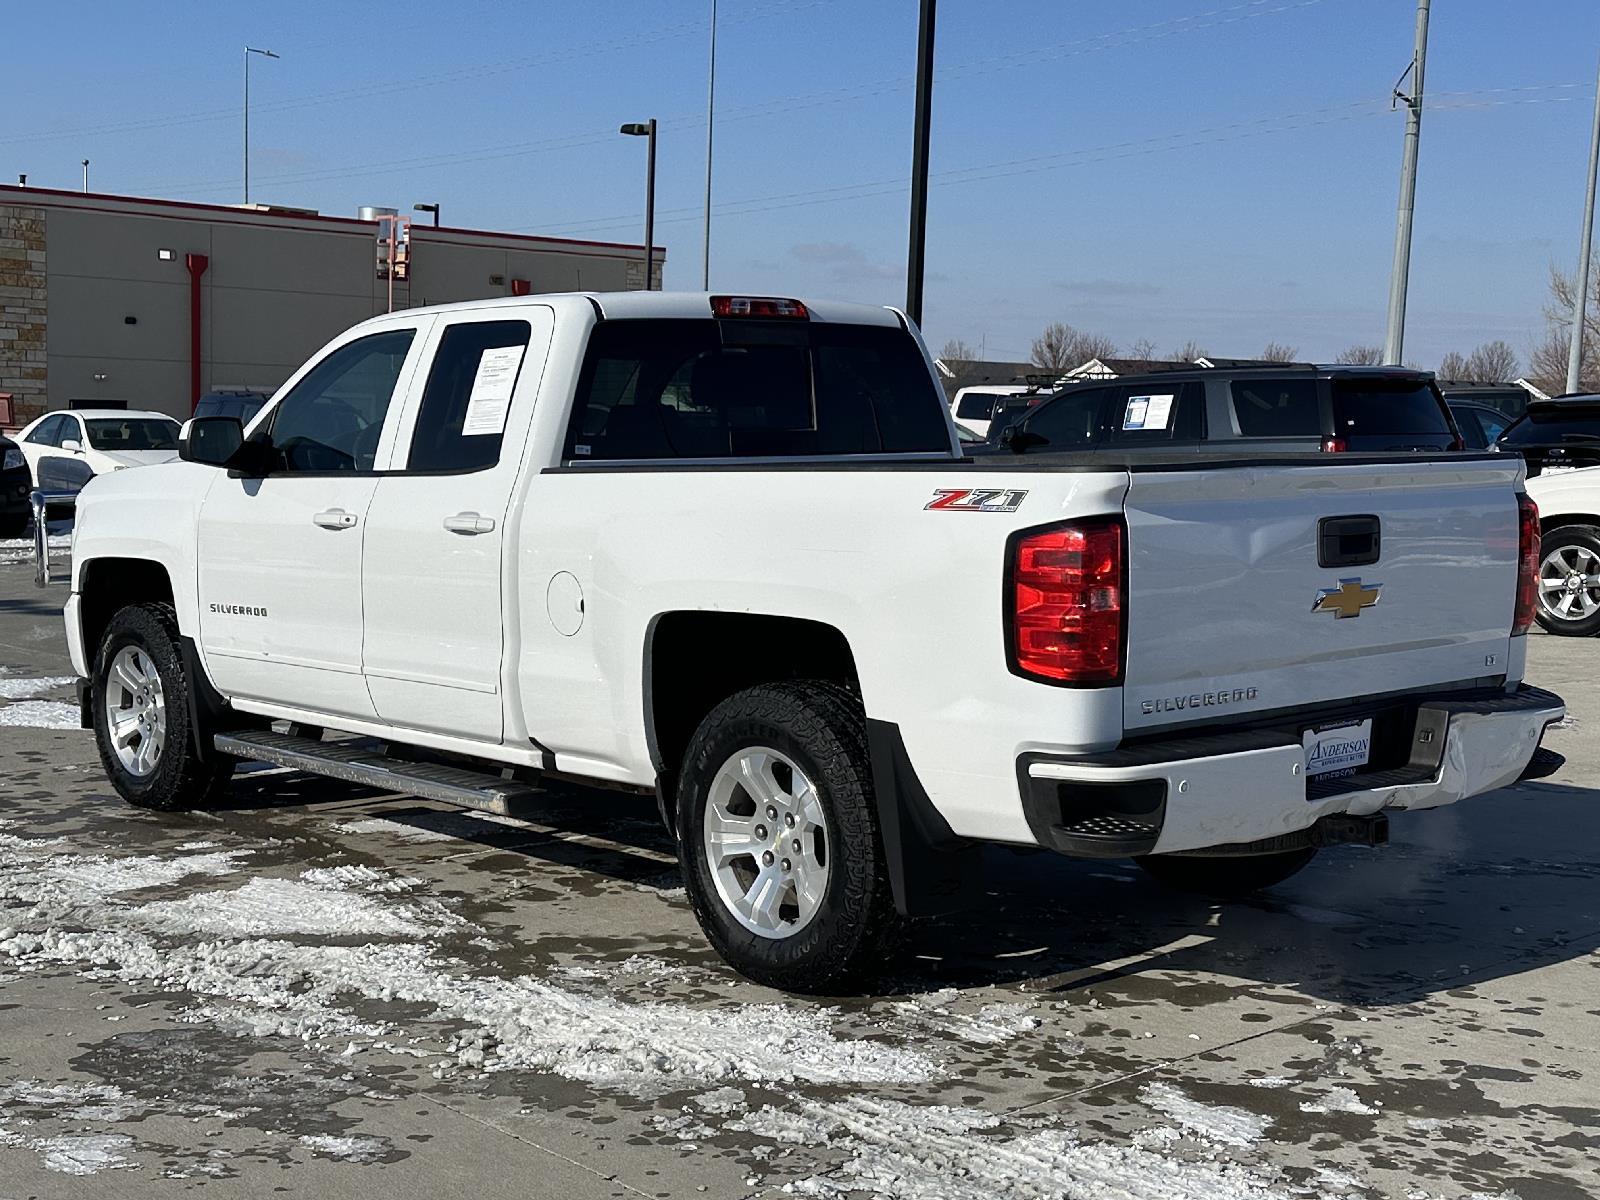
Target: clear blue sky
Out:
[1216,169]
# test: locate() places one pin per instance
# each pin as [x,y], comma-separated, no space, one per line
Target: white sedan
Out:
[64,450]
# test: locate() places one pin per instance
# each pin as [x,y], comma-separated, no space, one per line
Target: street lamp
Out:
[647,129]
[428,208]
[917,252]
[248,51]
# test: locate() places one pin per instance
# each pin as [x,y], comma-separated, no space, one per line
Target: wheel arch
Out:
[695,658]
[108,584]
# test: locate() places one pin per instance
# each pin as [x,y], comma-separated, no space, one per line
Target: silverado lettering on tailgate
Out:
[1196,700]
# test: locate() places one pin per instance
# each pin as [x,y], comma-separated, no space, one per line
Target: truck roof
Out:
[682,305]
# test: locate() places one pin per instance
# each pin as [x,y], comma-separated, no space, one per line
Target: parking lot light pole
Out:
[248,51]
[428,208]
[1400,274]
[647,129]
[1580,298]
[919,164]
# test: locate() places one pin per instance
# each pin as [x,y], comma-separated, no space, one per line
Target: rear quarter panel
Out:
[917,592]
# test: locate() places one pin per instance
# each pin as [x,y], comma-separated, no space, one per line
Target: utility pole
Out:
[1395,331]
[711,121]
[1580,299]
[919,164]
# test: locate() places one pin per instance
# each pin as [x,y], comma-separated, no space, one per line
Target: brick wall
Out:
[22,309]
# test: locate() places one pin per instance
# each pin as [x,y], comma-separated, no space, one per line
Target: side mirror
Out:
[213,441]
[72,446]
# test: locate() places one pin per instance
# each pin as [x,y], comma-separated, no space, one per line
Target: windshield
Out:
[1547,426]
[133,433]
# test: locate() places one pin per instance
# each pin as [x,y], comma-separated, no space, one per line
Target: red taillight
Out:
[1066,605]
[1334,445]
[1527,565]
[757,306]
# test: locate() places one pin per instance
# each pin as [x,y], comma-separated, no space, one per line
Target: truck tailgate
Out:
[1229,611]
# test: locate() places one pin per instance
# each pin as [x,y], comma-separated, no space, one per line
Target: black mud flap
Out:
[931,870]
[85,703]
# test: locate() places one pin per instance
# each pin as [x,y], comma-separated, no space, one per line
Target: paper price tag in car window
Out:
[1148,412]
[491,391]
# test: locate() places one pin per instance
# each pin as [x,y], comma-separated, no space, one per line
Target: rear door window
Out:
[660,389]
[1472,432]
[1146,414]
[453,432]
[1277,408]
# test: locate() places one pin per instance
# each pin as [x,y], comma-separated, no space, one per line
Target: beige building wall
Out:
[114,291]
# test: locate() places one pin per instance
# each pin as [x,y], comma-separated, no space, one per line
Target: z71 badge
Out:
[977,499]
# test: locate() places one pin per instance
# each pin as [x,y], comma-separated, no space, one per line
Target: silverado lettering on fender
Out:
[685,543]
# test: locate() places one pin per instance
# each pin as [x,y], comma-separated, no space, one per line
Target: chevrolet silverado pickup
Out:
[727,550]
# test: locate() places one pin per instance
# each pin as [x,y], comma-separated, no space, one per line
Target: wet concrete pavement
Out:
[328,992]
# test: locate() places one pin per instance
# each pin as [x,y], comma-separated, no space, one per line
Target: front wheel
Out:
[1569,581]
[1225,876]
[779,841]
[142,721]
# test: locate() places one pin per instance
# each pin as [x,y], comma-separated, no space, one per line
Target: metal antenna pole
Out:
[1580,299]
[711,121]
[86,175]
[919,164]
[1395,330]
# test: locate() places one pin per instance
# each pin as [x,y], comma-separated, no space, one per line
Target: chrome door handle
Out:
[469,522]
[334,518]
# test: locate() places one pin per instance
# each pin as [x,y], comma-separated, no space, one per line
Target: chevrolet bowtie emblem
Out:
[1348,599]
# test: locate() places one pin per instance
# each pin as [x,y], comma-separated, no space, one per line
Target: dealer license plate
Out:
[1338,749]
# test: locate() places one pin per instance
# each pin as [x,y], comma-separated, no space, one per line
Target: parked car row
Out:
[1297,407]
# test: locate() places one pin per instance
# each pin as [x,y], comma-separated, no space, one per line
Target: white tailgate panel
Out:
[1223,579]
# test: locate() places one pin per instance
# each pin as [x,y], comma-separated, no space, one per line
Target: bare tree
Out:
[1547,362]
[958,358]
[1061,347]
[1143,348]
[956,350]
[1278,352]
[1190,351]
[1493,362]
[1360,355]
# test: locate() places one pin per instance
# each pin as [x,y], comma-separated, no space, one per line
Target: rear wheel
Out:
[1224,876]
[778,834]
[142,720]
[13,525]
[1569,581]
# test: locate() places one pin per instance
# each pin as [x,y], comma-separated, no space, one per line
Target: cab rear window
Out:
[1382,407]
[664,389]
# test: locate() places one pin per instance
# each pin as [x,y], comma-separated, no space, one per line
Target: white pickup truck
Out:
[727,550]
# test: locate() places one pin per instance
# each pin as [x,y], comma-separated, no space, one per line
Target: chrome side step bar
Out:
[371,768]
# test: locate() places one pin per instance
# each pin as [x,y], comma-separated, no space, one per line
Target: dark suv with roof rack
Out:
[1283,407]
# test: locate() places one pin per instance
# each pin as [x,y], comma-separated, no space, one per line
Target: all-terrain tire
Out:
[179,778]
[1223,876]
[855,927]
[13,526]
[1580,544]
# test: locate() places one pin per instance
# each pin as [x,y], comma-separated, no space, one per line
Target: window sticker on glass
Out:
[1148,412]
[491,391]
